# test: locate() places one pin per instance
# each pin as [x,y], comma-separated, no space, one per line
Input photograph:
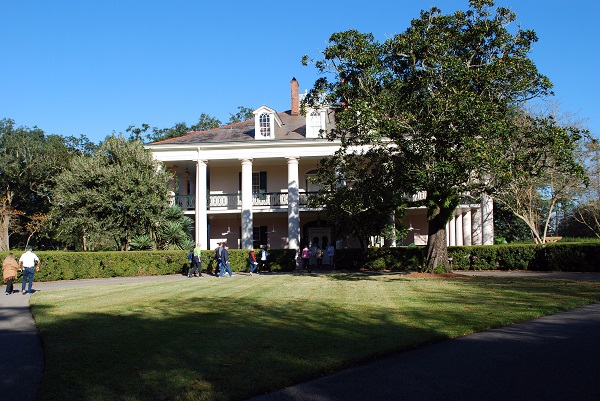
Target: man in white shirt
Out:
[27,263]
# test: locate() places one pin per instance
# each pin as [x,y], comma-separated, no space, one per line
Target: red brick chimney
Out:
[295,98]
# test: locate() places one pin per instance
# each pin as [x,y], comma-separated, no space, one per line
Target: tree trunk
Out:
[4,223]
[437,249]
[6,212]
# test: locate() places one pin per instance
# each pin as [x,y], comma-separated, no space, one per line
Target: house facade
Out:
[249,183]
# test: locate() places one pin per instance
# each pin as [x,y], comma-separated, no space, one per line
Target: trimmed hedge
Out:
[567,257]
[571,257]
[61,265]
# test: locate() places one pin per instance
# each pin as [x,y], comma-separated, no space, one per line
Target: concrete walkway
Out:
[552,358]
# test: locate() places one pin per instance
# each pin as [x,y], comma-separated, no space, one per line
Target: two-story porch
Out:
[250,202]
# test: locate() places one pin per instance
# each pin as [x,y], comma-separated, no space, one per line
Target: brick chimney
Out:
[295,98]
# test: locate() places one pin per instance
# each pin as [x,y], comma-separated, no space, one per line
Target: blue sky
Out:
[94,67]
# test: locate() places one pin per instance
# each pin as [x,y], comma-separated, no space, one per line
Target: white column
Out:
[293,204]
[448,234]
[201,216]
[452,230]
[476,226]
[247,221]
[459,228]
[487,220]
[467,227]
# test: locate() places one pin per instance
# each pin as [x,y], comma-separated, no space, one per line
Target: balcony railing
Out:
[234,201]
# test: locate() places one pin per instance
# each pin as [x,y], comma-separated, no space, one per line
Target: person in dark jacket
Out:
[191,260]
[225,262]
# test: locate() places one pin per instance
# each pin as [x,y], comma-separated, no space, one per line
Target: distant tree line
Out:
[69,193]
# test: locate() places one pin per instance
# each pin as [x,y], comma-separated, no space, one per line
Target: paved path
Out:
[552,358]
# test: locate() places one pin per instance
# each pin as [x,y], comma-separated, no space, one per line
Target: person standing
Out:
[225,261]
[313,254]
[28,261]
[197,261]
[253,264]
[217,258]
[305,257]
[9,271]
[191,260]
[264,261]
[331,254]
[319,257]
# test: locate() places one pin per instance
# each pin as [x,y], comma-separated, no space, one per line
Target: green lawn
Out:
[231,338]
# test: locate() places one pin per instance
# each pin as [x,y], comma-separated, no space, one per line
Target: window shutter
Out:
[263,181]
[263,235]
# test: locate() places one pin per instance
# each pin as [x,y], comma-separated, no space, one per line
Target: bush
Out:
[62,265]
[395,259]
[549,257]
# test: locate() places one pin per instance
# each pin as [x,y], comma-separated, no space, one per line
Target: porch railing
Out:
[234,201]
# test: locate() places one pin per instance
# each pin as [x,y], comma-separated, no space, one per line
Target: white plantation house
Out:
[248,183]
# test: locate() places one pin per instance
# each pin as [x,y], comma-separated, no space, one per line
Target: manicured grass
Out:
[231,338]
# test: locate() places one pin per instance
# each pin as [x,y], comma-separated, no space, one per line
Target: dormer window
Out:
[315,122]
[266,122]
[265,125]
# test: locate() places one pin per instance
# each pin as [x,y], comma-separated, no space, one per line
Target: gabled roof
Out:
[293,127]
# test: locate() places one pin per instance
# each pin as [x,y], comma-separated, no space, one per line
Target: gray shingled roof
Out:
[294,127]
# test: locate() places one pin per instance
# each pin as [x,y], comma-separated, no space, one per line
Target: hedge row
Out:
[60,265]
[575,257]
[569,257]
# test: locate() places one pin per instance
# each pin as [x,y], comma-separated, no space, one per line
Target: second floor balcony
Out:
[267,200]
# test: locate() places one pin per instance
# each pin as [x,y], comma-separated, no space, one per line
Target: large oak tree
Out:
[439,99]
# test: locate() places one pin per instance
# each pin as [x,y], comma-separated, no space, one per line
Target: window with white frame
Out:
[314,124]
[255,183]
[259,182]
[265,125]
[266,122]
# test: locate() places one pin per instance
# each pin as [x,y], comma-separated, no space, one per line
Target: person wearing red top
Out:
[252,261]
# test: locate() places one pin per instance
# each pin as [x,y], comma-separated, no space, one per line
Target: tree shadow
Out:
[224,345]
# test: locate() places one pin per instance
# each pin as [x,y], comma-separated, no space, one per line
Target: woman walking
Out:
[253,264]
[9,271]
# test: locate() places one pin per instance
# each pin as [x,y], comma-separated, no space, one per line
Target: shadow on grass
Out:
[350,275]
[212,347]
[218,352]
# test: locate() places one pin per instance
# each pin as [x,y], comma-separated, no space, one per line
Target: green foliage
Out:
[61,265]
[570,257]
[142,243]
[243,114]
[396,259]
[581,257]
[173,229]
[509,226]
[117,193]
[433,99]
[29,162]
[362,207]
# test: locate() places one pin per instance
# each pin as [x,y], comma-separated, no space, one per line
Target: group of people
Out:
[314,256]
[28,264]
[221,259]
[259,265]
